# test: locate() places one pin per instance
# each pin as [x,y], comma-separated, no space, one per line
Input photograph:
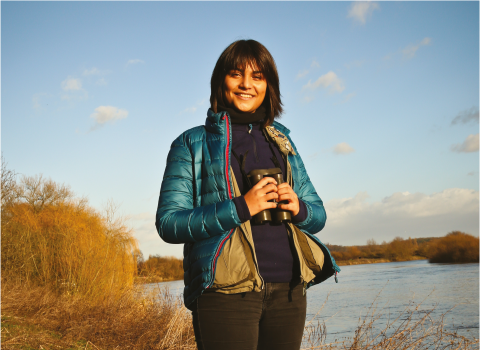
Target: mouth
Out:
[244,96]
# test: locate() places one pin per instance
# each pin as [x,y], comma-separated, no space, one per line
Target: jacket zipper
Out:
[257,160]
[227,153]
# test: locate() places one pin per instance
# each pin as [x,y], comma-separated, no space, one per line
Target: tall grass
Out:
[132,320]
[51,238]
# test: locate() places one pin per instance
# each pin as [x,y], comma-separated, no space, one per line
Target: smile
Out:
[245,96]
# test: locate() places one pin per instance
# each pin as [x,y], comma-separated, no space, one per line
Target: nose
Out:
[246,82]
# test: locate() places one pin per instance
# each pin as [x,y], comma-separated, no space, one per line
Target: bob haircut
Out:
[238,55]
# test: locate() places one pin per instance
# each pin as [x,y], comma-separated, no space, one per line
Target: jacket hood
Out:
[214,123]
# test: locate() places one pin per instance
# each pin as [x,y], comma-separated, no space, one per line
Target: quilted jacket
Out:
[196,208]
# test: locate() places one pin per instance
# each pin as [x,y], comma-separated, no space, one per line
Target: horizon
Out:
[382,100]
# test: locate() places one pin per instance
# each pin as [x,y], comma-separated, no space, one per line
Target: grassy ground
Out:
[20,333]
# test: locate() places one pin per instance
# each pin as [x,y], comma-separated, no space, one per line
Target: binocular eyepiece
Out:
[276,215]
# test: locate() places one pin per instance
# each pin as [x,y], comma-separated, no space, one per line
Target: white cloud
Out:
[71,84]
[105,114]
[354,220]
[361,10]
[410,50]
[329,80]
[464,117]
[343,148]
[348,97]
[194,108]
[37,101]
[469,145]
[92,71]
[304,72]
[101,82]
[135,61]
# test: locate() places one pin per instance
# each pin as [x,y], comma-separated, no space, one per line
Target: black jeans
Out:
[271,319]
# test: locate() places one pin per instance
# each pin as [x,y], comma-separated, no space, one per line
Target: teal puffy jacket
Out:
[196,208]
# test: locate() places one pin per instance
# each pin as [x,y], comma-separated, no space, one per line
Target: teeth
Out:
[246,96]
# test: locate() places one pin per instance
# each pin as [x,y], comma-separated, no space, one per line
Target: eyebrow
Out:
[243,71]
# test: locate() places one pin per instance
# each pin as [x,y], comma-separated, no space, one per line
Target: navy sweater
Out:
[272,247]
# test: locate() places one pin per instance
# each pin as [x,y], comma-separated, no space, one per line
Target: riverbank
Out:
[375,261]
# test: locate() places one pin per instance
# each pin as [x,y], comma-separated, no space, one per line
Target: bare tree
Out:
[38,192]
[8,183]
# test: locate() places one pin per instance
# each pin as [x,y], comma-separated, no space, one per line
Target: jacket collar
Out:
[215,122]
[216,125]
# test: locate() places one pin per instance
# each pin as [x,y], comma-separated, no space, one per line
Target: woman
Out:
[245,282]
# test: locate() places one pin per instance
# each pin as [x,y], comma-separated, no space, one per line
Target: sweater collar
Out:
[215,124]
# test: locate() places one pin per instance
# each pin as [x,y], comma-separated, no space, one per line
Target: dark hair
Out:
[239,54]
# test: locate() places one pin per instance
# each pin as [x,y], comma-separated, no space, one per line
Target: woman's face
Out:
[245,89]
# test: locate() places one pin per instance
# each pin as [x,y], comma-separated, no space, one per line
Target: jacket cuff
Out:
[242,209]
[302,214]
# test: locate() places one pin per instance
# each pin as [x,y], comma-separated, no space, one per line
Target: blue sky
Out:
[381,99]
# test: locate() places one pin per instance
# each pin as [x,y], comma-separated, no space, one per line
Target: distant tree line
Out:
[455,247]
[159,268]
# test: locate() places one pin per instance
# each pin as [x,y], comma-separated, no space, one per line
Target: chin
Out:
[245,109]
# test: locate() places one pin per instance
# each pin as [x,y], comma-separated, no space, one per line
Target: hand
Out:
[259,195]
[286,193]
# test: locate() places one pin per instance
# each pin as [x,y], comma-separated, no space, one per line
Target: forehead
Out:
[247,66]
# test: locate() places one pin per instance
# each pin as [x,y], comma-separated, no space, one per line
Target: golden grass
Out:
[50,238]
[132,321]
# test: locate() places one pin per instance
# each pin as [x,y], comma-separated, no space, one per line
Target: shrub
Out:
[455,247]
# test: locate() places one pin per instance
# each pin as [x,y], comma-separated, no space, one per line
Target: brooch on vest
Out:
[281,140]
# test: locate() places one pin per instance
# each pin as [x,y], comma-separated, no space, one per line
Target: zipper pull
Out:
[336,279]
[251,127]
[304,288]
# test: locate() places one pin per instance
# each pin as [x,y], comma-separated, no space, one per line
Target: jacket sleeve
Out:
[305,191]
[177,220]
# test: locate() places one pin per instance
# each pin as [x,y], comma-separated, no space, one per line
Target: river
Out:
[447,288]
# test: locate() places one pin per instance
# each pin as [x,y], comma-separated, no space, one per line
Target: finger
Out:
[286,197]
[263,182]
[285,184]
[267,189]
[268,205]
[289,207]
[284,190]
[269,196]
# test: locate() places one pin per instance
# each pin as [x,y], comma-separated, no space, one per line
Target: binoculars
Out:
[276,215]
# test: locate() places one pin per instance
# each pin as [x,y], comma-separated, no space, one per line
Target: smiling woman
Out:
[248,223]
[245,89]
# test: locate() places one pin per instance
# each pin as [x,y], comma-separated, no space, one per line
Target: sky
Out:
[381,99]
